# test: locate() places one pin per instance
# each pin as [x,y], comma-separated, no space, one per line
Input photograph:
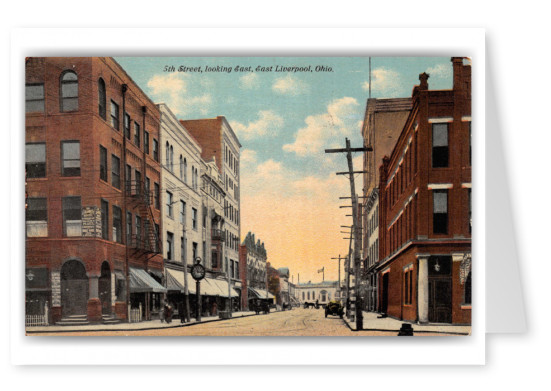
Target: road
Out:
[297,322]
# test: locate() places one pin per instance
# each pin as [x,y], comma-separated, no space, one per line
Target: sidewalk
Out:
[372,322]
[146,325]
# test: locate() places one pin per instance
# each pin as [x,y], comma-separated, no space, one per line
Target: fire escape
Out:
[146,240]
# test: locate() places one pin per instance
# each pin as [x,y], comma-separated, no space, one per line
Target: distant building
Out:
[323,292]
[424,265]
[253,260]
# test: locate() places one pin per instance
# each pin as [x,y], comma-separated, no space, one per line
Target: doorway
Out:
[74,288]
[384,301]
[104,287]
[440,289]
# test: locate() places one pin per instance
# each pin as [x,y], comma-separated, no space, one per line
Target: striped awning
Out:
[222,287]
[176,281]
[141,281]
[261,293]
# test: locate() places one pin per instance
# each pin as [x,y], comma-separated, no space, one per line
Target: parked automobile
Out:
[334,307]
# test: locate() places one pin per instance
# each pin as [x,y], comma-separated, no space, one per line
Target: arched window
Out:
[308,295]
[68,91]
[192,177]
[196,179]
[167,156]
[185,171]
[181,167]
[171,159]
[102,99]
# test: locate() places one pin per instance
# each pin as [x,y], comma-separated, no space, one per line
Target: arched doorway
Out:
[74,288]
[104,288]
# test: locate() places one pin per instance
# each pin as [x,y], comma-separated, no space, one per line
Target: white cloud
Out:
[289,85]
[323,130]
[268,123]
[384,82]
[248,157]
[440,71]
[249,81]
[174,90]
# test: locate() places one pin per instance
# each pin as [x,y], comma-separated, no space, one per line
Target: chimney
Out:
[457,72]
[424,77]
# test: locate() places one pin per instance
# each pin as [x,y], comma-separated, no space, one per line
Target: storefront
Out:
[145,293]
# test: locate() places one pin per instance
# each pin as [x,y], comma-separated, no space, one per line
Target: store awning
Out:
[176,281]
[261,293]
[141,281]
[222,286]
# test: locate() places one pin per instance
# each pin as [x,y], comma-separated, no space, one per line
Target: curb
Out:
[397,331]
[176,325]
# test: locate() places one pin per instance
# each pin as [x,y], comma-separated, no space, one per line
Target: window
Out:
[70,158]
[129,228]
[183,249]
[181,167]
[193,177]
[127,122]
[136,134]
[128,178]
[115,172]
[232,268]
[35,160]
[468,290]
[138,229]
[169,204]
[408,286]
[115,115]
[194,251]
[105,220]
[69,91]
[440,145]
[138,182]
[34,98]
[183,213]
[147,190]
[36,217]
[102,100]
[157,196]
[194,218]
[146,142]
[155,150]
[72,216]
[470,211]
[204,217]
[470,146]
[171,159]
[102,163]
[440,211]
[169,245]
[117,224]
[237,269]
[167,156]
[185,171]
[205,251]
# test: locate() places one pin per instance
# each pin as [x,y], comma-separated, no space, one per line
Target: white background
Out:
[517,53]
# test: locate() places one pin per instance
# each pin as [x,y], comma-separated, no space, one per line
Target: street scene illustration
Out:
[248,196]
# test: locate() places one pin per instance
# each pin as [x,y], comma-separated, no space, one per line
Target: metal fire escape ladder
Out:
[149,241]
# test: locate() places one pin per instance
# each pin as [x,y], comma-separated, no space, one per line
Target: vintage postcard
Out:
[248,196]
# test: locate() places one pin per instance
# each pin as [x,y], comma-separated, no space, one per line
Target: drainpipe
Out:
[123,217]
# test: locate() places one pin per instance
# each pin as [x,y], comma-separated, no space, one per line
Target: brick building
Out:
[253,261]
[93,180]
[424,208]
[383,122]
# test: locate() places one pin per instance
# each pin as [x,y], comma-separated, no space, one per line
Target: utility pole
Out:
[356,224]
[339,286]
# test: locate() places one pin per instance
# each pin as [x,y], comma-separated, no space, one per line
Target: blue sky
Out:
[285,120]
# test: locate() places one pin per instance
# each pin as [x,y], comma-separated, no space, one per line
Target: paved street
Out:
[298,322]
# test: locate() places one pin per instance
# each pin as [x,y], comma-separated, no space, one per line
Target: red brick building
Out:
[92,188]
[424,208]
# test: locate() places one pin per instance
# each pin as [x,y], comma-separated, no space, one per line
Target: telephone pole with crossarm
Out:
[356,224]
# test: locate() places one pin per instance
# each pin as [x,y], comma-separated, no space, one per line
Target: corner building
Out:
[93,192]
[424,267]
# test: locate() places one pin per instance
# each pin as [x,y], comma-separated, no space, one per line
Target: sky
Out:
[285,112]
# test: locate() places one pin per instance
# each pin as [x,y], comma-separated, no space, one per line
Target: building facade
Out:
[253,258]
[383,122]
[322,292]
[220,145]
[93,180]
[424,263]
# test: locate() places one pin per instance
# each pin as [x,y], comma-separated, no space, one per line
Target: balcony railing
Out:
[217,234]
